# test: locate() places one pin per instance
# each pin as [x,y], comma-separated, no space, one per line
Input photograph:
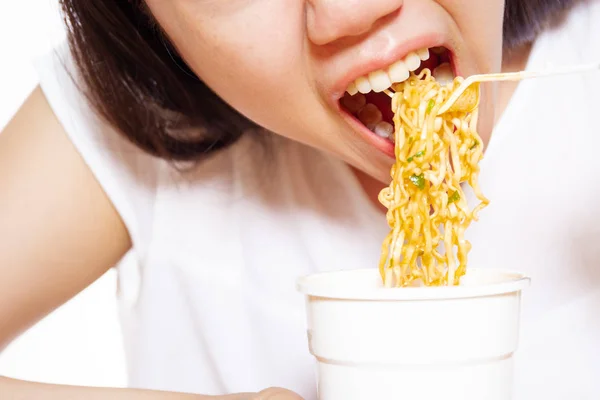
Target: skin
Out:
[59,230]
[289,82]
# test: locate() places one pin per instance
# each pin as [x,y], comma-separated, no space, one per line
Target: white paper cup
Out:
[427,343]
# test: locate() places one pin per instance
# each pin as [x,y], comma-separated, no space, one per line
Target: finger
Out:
[238,396]
[276,394]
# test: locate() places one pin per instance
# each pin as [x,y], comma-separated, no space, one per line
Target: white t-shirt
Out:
[210,305]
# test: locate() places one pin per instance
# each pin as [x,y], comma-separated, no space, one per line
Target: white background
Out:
[80,343]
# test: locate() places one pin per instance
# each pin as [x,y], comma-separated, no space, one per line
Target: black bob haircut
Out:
[136,82]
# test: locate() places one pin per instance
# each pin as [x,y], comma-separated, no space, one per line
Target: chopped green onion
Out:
[418,181]
[475,145]
[417,154]
[454,197]
[430,105]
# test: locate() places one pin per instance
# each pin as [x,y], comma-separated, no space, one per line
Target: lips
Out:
[369,110]
[419,25]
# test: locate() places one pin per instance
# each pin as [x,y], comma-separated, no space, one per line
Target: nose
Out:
[330,20]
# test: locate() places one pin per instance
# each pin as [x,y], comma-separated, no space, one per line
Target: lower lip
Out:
[382,144]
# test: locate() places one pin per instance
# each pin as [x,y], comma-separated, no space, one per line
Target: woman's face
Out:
[286,64]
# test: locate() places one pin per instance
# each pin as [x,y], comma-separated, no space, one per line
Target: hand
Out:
[268,394]
[17,389]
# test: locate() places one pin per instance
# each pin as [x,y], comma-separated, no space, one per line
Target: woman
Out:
[145,138]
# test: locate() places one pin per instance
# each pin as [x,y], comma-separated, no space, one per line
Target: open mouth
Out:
[366,102]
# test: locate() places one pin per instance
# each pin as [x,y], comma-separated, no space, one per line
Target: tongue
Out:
[384,103]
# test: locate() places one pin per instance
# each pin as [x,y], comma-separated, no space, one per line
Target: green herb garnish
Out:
[454,197]
[475,145]
[418,181]
[430,105]
[417,154]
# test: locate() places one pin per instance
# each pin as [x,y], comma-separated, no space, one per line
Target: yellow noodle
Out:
[428,212]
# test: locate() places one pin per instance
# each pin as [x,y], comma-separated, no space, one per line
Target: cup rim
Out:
[506,281]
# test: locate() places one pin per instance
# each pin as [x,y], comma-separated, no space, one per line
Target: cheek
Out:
[252,58]
[480,24]
[487,109]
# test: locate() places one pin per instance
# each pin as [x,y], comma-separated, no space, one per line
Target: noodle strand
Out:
[428,212]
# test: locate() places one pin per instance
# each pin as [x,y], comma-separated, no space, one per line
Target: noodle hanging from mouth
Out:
[427,207]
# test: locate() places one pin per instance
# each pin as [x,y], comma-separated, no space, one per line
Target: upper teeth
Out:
[380,80]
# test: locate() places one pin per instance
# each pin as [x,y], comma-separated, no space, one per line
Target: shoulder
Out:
[132,179]
[126,174]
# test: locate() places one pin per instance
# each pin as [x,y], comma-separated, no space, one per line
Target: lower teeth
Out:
[368,114]
[354,103]
[443,74]
[384,130]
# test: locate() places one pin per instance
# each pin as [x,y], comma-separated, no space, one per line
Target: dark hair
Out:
[525,19]
[137,83]
[134,79]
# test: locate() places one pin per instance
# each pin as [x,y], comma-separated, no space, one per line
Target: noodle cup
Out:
[417,343]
